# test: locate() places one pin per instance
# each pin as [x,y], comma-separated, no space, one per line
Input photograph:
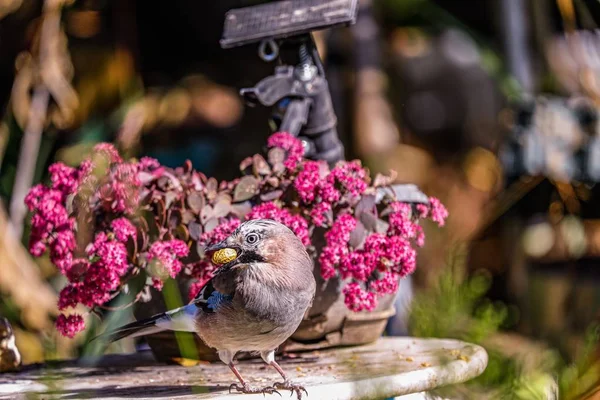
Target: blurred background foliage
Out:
[429,88]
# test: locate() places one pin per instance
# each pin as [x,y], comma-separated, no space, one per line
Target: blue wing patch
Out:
[209,299]
[217,299]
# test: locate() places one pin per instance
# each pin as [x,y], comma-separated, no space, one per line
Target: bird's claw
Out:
[292,387]
[247,389]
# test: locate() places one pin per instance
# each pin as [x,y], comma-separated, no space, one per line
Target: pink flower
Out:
[392,253]
[113,256]
[320,214]
[386,285]
[99,240]
[423,210]
[328,192]
[52,210]
[123,229]
[51,226]
[402,222]
[439,213]
[71,325]
[167,253]
[32,199]
[85,168]
[402,225]
[108,150]
[150,166]
[37,248]
[291,144]
[96,281]
[61,250]
[339,234]
[376,243]
[402,208]
[313,196]
[352,176]
[120,191]
[400,255]
[69,296]
[149,163]
[336,247]
[307,181]
[357,299]
[63,263]
[220,233]
[98,284]
[157,284]
[420,240]
[353,265]
[64,179]
[328,260]
[295,222]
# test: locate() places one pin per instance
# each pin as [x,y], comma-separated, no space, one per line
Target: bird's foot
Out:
[293,387]
[247,389]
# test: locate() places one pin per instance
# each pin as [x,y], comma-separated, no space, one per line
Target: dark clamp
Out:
[298,91]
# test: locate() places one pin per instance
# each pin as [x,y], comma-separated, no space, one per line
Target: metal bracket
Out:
[284,19]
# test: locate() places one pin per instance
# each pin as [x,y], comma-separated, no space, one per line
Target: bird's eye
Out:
[252,238]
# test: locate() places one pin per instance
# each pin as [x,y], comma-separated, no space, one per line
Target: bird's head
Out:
[260,241]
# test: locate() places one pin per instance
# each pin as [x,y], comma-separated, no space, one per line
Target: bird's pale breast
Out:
[259,317]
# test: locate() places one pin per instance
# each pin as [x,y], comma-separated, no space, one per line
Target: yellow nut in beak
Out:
[224,256]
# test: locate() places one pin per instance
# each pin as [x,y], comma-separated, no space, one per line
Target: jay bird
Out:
[254,302]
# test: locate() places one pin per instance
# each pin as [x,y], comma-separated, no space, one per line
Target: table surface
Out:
[387,368]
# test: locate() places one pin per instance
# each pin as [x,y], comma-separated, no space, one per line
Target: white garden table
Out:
[392,367]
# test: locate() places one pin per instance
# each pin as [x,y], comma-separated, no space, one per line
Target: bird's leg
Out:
[245,388]
[287,384]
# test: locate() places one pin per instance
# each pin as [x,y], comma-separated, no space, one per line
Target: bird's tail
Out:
[180,319]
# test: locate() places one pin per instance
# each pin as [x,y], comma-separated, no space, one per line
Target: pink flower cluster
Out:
[390,255]
[124,229]
[315,184]
[320,214]
[120,193]
[357,299]
[271,211]
[154,220]
[93,279]
[351,176]
[69,325]
[220,233]
[166,256]
[307,181]
[96,273]
[375,267]
[291,145]
[337,245]
[108,151]
[403,224]
[51,225]
[437,212]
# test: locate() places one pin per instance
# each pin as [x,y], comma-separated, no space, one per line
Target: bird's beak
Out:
[224,252]
[218,246]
